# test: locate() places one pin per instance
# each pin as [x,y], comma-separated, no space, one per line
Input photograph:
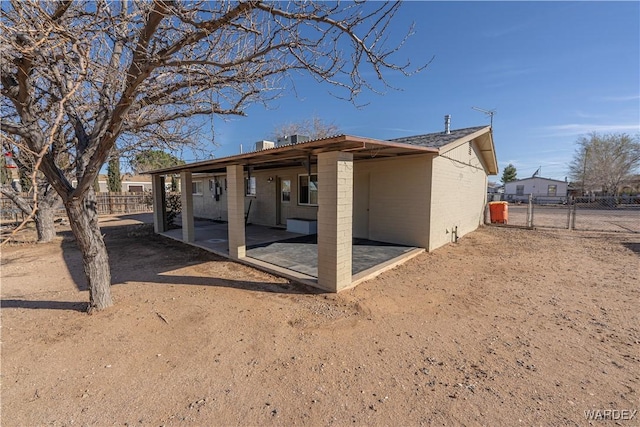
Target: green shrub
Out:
[174,207]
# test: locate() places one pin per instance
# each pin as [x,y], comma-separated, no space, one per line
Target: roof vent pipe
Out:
[447,124]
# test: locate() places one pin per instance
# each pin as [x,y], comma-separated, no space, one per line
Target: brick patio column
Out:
[188,232]
[159,204]
[335,209]
[235,211]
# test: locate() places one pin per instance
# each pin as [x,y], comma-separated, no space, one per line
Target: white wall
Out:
[538,187]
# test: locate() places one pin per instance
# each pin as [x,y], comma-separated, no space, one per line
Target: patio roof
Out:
[290,155]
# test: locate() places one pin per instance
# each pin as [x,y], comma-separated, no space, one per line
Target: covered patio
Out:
[328,261]
[293,255]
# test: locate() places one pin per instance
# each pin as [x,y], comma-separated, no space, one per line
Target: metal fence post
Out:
[530,212]
[487,217]
[569,207]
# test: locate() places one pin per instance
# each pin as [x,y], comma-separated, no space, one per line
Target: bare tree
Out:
[145,66]
[45,201]
[602,162]
[314,128]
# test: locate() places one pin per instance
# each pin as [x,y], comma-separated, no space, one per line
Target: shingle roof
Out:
[438,139]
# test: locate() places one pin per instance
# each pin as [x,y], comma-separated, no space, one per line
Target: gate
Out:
[551,212]
[589,213]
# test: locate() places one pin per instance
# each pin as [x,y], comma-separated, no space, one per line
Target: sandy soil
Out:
[507,327]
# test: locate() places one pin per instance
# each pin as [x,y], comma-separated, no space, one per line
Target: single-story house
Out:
[422,191]
[130,183]
[538,187]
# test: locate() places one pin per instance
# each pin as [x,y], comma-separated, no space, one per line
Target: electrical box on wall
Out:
[216,188]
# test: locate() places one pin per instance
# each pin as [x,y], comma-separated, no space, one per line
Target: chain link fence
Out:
[606,213]
[9,210]
[593,213]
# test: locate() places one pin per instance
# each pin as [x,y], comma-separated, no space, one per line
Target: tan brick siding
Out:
[458,194]
[395,200]
[205,205]
[263,204]
[399,197]
[335,197]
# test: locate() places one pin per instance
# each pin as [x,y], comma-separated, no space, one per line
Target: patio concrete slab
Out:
[213,236]
[301,254]
[295,256]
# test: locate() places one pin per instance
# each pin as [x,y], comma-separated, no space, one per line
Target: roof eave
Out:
[315,147]
[487,149]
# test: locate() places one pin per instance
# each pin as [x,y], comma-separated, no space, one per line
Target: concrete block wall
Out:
[188,230]
[398,202]
[263,207]
[263,204]
[335,215]
[159,204]
[205,205]
[235,206]
[458,194]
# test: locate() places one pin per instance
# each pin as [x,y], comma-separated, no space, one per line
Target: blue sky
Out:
[552,71]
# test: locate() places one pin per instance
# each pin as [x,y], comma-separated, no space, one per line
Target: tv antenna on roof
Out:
[489,113]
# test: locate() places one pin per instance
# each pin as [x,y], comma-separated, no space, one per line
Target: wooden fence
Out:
[124,203]
[107,203]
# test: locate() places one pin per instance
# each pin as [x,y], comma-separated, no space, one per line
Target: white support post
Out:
[335,220]
[235,211]
[188,231]
[159,204]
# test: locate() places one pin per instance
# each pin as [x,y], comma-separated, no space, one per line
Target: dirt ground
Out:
[506,327]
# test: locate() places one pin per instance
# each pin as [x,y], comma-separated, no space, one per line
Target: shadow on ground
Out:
[137,254]
[635,247]
[46,305]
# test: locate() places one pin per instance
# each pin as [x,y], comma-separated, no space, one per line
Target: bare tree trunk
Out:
[48,202]
[45,225]
[45,215]
[83,216]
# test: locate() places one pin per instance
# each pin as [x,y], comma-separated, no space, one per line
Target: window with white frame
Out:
[250,186]
[308,190]
[519,190]
[196,188]
[552,190]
